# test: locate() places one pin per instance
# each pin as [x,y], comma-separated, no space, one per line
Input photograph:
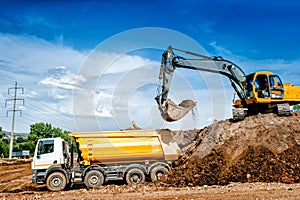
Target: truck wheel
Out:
[93,179]
[56,181]
[157,172]
[135,176]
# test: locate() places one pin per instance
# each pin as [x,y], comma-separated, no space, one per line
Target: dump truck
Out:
[258,92]
[134,156]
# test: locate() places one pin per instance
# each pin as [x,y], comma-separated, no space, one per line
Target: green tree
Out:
[296,108]
[28,145]
[44,130]
[5,140]
[4,145]
[4,148]
[16,147]
[20,139]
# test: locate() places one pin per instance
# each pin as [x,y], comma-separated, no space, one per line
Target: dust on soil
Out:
[258,157]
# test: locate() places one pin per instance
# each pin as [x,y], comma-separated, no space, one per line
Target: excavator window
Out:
[249,86]
[262,86]
[276,87]
[275,81]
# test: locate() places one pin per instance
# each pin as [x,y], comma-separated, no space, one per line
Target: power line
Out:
[41,106]
[62,120]
[44,110]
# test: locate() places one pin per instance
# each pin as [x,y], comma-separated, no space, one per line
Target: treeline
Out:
[37,131]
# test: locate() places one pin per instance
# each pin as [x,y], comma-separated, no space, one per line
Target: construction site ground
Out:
[257,158]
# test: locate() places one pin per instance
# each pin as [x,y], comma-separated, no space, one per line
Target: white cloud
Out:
[114,89]
[103,105]
[219,49]
[47,72]
[69,81]
[61,67]
[36,55]
[288,70]
[128,62]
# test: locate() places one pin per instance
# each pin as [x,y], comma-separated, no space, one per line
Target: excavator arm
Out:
[173,112]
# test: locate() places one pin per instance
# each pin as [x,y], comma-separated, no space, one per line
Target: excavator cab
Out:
[267,86]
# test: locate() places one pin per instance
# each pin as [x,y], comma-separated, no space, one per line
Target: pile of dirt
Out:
[182,138]
[262,148]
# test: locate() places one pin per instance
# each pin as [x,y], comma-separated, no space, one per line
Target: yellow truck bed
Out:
[124,147]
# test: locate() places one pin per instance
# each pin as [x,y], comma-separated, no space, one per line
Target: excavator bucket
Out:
[170,111]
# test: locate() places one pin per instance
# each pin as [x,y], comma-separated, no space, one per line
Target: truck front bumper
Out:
[38,177]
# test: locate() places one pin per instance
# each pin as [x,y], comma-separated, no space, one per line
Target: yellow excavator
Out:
[258,92]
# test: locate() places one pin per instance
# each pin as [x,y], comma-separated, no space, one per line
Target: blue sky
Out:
[46,45]
[255,27]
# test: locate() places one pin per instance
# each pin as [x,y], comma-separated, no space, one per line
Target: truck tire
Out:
[93,179]
[56,181]
[134,176]
[157,172]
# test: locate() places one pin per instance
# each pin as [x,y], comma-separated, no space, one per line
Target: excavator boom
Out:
[258,92]
[170,111]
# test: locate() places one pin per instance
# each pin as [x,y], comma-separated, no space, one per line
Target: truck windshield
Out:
[45,146]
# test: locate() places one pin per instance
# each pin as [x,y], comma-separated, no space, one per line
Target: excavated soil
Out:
[263,148]
[257,158]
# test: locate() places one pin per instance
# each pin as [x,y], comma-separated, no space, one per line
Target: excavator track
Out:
[238,114]
[283,109]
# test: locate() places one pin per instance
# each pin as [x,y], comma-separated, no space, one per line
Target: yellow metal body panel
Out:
[290,93]
[119,146]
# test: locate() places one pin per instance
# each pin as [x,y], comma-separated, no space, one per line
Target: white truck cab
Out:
[49,153]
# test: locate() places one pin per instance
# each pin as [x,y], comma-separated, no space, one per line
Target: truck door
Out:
[276,87]
[44,155]
[66,156]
